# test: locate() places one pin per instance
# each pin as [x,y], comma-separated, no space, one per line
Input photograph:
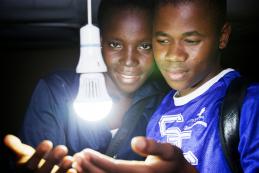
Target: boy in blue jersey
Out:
[188,36]
[187,51]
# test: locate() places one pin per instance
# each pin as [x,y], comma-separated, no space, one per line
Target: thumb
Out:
[22,151]
[144,147]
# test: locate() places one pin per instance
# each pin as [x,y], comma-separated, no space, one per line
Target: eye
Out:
[115,44]
[192,41]
[145,46]
[162,41]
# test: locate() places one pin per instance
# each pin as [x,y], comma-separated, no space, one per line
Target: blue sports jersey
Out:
[191,122]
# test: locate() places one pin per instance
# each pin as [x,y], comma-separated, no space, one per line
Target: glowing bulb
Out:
[92,111]
[92,102]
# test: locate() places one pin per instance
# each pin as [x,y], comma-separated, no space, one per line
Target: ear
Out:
[224,35]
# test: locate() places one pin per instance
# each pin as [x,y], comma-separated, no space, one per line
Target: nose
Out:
[129,57]
[177,53]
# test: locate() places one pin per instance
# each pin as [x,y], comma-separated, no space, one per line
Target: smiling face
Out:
[186,45]
[126,46]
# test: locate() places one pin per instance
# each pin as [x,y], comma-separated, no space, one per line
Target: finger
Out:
[102,163]
[41,150]
[139,145]
[144,147]
[22,151]
[82,163]
[53,158]
[65,164]
[162,157]
[71,170]
[105,162]
[89,167]
[78,159]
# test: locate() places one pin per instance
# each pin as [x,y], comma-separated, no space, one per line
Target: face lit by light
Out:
[186,45]
[127,47]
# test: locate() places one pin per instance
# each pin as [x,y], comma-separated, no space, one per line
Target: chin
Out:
[176,85]
[129,90]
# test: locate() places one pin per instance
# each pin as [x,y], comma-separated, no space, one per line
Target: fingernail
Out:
[76,166]
[139,143]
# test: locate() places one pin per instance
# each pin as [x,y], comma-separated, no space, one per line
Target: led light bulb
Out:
[92,102]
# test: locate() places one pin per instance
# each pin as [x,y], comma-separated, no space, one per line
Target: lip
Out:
[176,74]
[127,78]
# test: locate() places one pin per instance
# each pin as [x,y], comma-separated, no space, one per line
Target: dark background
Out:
[37,38]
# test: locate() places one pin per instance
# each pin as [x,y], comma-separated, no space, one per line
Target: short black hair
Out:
[106,8]
[217,7]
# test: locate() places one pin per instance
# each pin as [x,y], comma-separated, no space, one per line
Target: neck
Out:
[210,75]
[121,103]
[120,107]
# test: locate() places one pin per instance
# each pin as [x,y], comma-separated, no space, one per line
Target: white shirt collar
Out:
[179,101]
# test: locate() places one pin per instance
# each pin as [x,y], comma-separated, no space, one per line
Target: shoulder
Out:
[58,83]
[252,94]
[250,107]
[253,90]
[239,84]
[61,77]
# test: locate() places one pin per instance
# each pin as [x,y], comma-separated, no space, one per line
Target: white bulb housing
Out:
[92,102]
[91,59]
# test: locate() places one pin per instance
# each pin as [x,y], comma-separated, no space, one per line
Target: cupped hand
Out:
[161,158]
[43,159]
